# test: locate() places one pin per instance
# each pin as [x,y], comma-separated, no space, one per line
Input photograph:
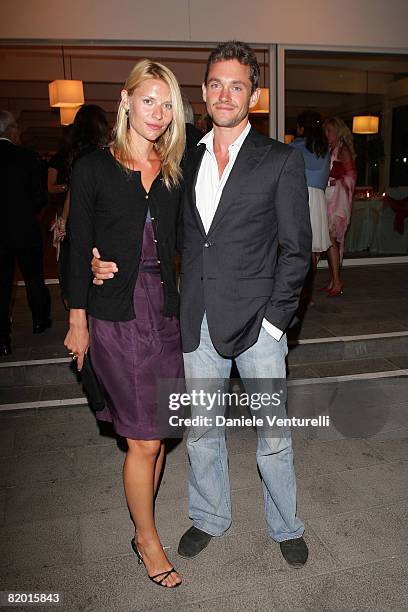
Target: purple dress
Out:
[130,357]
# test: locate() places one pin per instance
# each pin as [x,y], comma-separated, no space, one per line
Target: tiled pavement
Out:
[64,524]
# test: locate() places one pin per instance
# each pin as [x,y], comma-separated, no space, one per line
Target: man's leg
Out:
[209,489]
[7,265]
[266,360]
[30,262]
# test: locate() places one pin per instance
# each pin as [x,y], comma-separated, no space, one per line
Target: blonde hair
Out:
[344,135]
[170,146]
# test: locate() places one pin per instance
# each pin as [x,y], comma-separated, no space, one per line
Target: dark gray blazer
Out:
[254,259]
[22,195]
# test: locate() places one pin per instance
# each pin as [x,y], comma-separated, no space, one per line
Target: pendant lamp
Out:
[65,93]
[67,114]
[262,106]
[365,124]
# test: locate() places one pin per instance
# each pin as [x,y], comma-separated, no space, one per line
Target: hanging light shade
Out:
[65,93]
[262,106]
[67,114]
[365,124]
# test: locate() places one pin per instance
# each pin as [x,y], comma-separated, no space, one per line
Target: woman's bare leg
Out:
[159,467]
[334,264]
[315,261]
[140,480]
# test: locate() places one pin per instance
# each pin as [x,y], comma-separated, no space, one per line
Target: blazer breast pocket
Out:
[255,287]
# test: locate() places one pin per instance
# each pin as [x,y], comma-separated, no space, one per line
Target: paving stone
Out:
[359,537]
[12,376]
[377,586]
[241,444]
[62,499]
[314,458]
[302,371]
[353,366]
[307,353]
[394,433]
[38,545]
[4,470]
[243,471]
[67,414]
[176,451]
[19,395]
[247,511]
[310,330]
[396,389]
[326,495]
[391,450]
[389,347]
[174,482]
[356,327]
[380,484]
[50,374]
[245,562]
[19,353]
[106,534]
[63,391]
[49,351]
[400,361]
[7,438]
[99,460]
[49,436]
[2,505]
[40,467]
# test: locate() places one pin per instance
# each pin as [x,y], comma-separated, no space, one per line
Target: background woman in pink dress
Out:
[339,195]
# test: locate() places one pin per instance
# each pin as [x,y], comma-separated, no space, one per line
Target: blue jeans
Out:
[209,488]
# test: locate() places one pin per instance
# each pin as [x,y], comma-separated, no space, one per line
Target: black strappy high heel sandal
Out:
[164,575]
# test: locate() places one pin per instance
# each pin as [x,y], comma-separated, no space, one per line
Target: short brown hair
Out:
[234,49]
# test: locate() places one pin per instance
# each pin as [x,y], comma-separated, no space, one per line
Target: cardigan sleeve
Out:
[81,233]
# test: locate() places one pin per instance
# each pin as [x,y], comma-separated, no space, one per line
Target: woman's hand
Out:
[77,338]
[61,228]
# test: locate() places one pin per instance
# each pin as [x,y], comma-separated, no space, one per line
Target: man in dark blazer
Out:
[245,198]
[246,252]
[22,195]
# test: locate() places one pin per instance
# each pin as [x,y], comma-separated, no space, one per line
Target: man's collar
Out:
[208,139]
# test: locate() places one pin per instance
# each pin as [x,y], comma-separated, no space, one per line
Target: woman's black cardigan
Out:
[108,210]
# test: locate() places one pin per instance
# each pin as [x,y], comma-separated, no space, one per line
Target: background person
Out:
[312,142]
[90,131]
[22,195]
[193,134]
[59,177]
[339,195]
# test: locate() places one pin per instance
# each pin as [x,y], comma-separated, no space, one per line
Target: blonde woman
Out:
[339,195]
[125,200]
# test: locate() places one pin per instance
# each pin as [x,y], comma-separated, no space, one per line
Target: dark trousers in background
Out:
[30,262]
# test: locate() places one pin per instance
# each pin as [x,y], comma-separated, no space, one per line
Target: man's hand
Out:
[102,270]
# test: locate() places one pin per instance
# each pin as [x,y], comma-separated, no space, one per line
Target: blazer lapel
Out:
[192,169]
[248,158]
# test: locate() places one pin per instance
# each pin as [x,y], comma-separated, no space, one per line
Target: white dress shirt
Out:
[209,188]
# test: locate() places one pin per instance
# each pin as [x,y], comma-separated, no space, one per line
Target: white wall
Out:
[372,23]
